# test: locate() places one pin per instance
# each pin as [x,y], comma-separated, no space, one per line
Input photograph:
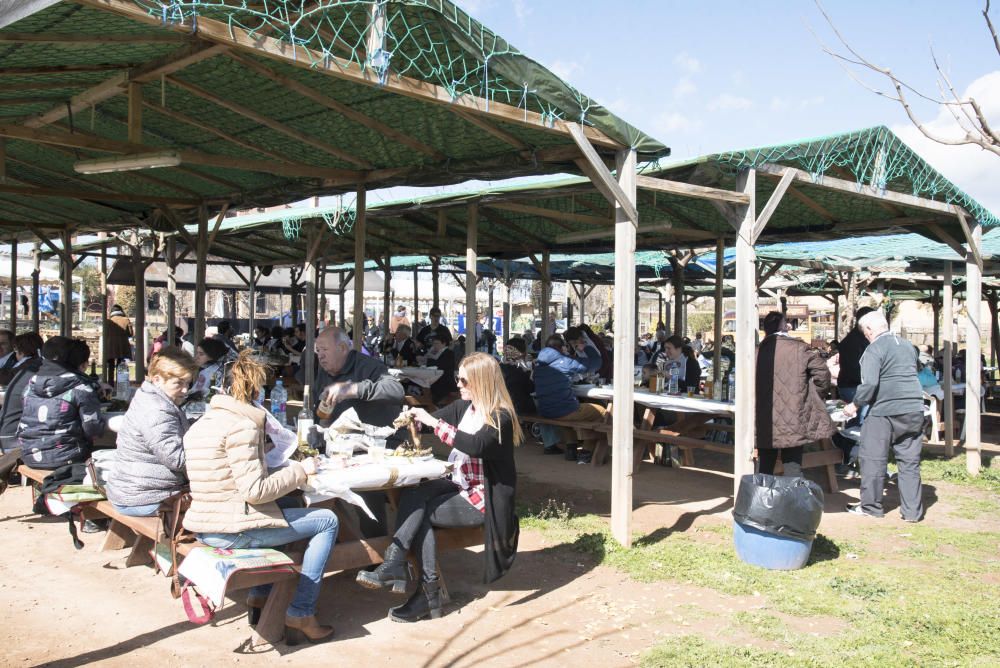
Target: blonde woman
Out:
[149,463]
[482,430]
[236,503]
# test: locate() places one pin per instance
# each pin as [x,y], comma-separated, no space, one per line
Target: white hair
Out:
[874,321]
[337,334]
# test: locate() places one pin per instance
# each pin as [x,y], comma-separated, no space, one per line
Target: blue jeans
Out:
[318,525]
[148,510]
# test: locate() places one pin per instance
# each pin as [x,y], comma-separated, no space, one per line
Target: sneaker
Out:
[584,456]
[841,469]
[856,509]
[912,520]
[571,453]
[852,474]
[552,450]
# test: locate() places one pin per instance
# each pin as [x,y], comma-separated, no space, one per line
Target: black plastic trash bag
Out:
[780,505]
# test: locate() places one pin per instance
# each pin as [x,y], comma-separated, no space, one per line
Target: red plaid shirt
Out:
[468,473]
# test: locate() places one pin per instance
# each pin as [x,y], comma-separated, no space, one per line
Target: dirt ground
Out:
[66,608]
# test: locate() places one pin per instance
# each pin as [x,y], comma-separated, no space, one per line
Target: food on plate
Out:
[408,419]
[407,449]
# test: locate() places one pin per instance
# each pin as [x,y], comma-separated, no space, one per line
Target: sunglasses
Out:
[464,382]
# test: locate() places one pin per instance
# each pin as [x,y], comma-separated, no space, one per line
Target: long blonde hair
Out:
[487,386]
[249,376]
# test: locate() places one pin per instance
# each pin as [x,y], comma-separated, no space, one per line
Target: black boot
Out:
[392,571]
[426,601]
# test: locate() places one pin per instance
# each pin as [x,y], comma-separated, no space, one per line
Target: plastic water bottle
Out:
[732,387]
[261,397]
[121,381]
[673,387]
[279,401]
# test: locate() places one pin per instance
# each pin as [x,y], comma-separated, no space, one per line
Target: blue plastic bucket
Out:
[766,550]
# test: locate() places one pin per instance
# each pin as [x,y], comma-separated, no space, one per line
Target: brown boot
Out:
[255,605]
[298,629]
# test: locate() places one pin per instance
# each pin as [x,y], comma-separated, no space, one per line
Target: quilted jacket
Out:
[553,372]
[791,380]
[60,418]
[231,489]
[150,460]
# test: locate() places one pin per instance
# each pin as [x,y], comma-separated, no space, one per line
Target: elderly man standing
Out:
[348,379]
[890,386]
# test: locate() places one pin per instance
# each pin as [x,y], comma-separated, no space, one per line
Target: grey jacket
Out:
[150,463]
[889,381]
[380,396]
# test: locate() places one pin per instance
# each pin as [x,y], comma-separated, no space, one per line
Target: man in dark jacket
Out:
[62,410]
[434,328]
[554,371]
[348,379]
[850,349]
[890,386]
[26,347]
[790,409]
[441,357]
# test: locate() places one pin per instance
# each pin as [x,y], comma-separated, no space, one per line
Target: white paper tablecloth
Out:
[391,472]
[424,376]
[681,404]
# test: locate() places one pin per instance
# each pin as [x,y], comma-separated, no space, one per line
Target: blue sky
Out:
[703,77]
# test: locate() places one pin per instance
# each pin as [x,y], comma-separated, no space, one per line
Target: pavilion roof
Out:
[267,103]
[861,183]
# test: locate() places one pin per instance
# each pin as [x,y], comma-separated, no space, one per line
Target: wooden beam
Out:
[746,329]
[277,126]
[811,203]
[471,277]
[89,195]
[772,205]
[74,39]
[770,272]
[301,56]
[594,167]
[134,112]
[946,238]
[171,62]
[973,348]
[853,188]
[181,118]
[689,190]
[60,69]
[501,222]
[359,268]
[974,246]
[948,332]
[92,142]
[610,232]
[218,223]
[549,213]
[342,109]
[492,130]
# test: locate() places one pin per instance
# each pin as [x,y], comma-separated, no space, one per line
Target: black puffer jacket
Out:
[62,416]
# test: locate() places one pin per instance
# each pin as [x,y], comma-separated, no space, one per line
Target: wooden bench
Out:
[594,427]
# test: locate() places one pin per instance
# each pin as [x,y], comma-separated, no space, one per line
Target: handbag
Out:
[171,532]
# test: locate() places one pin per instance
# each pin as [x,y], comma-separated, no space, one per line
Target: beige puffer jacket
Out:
[231,490]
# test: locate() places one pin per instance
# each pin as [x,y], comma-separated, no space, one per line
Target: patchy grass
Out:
[921,603]
[934,468]
[970,508]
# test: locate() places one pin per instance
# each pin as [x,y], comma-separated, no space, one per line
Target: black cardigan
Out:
[496,448]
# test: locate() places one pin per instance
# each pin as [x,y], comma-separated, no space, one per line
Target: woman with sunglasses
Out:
[482,430]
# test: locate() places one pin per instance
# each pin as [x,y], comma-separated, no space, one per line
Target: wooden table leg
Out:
[271,626]
[139,556]
[119,537]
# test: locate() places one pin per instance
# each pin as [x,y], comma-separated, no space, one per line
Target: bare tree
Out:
[966,111]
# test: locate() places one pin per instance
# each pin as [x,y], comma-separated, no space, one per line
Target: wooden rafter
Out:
[47,213]
[89,195]
[73,39]
[551,214]
[304,57]
[61,69]
[493,130]
[812,204]
[277,126]
[690,190]
[182,118]
[93,142]
[501,222]
[171,62]
[342,109]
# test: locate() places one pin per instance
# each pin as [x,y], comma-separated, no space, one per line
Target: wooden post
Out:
[36,256]
[659,306]
[746,333]
[135,113]
[107,373]
[680,308]
[386,296]
[489,312]
[13,287]
[583,300]
[546,298]
[936,308]
[946,373]
[435,282]
[720,258]
[471,277]
[66,286]
[359,268]
[201,256]
[312,275]
[252,310]
[624,355]
[506,313]
[836,318]
[139,275]
[342,297]
[973,350]
[416,299]
[172,290]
